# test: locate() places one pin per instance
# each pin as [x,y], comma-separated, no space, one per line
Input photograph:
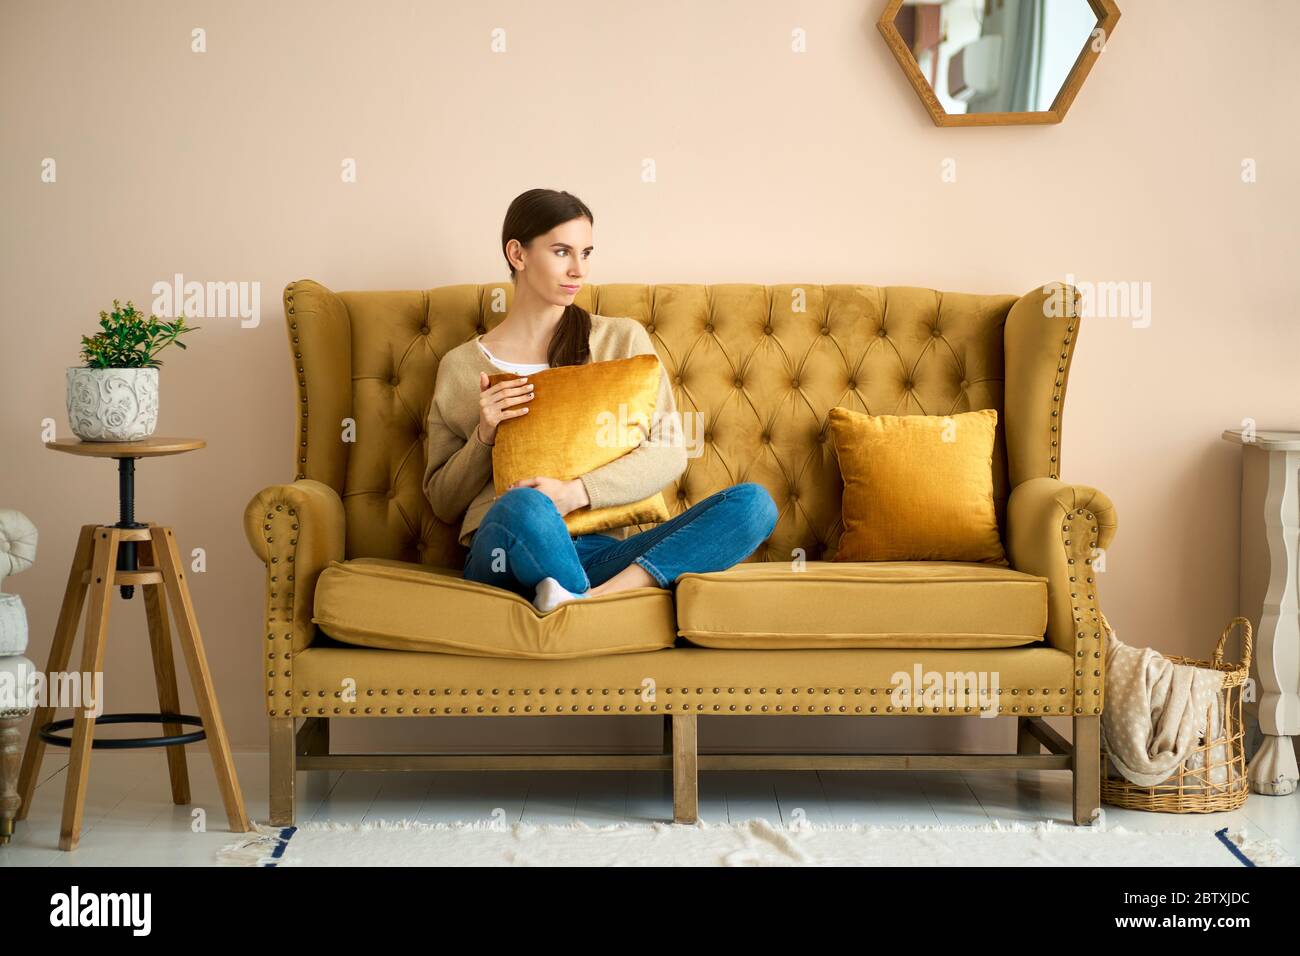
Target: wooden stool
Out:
[125,555]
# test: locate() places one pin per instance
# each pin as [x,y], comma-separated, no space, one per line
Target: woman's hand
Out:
[494,404]
[567,495]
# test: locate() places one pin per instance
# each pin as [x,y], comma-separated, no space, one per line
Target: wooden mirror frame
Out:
[1107,16]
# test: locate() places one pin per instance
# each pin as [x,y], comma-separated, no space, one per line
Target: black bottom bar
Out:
[128,743]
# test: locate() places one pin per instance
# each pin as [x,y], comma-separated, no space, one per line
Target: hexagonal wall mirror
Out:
[997,62]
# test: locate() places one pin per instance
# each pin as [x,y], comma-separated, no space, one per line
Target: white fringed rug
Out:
[751,843]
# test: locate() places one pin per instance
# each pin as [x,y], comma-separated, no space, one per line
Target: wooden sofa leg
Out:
[283,771]
[686,783]
[10,751]
[1086,767]
[1026,743]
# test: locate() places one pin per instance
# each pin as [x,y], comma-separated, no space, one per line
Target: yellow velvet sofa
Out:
[368,615]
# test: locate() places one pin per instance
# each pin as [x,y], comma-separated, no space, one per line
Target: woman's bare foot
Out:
[632,576]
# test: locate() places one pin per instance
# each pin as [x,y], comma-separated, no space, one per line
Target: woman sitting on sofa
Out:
[519,541]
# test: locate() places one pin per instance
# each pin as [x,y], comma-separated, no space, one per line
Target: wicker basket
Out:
[1198,789]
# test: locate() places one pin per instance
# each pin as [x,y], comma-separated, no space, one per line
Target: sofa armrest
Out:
[1056,531]
[296,530]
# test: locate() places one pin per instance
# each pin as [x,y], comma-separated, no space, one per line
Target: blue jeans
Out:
[523,538]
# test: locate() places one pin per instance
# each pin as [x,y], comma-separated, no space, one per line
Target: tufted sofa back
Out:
[755,371]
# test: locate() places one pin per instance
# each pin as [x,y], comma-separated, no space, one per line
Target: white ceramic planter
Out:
[13,625]
[112,404]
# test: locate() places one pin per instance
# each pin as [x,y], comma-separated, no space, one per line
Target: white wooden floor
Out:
[131,821]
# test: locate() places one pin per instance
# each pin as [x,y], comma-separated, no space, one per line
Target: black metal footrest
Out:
[48,734]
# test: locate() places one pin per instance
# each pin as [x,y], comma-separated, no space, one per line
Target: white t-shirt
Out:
[516,367]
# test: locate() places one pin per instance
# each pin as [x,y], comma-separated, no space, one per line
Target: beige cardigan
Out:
[458,469]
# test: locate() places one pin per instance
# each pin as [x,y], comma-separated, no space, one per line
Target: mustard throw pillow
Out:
[582,417]
[917,487]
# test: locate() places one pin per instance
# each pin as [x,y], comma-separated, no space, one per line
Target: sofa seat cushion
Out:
[827,604]
[396,605]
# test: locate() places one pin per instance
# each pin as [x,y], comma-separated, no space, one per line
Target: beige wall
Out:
[772,167]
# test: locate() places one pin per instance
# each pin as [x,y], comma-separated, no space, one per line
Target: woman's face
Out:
[554,265]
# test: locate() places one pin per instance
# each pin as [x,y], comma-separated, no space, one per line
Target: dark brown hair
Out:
[532,214]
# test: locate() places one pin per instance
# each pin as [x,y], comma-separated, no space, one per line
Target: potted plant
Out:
[114,395]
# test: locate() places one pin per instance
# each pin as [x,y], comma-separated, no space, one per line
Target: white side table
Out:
[1270,595]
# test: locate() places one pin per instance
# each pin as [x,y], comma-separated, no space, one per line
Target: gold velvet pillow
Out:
[917,487]
[581,417]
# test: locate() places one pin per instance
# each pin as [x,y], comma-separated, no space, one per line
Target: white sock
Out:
[550,594]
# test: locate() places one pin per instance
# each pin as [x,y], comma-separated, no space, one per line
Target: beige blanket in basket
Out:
[1157,713]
